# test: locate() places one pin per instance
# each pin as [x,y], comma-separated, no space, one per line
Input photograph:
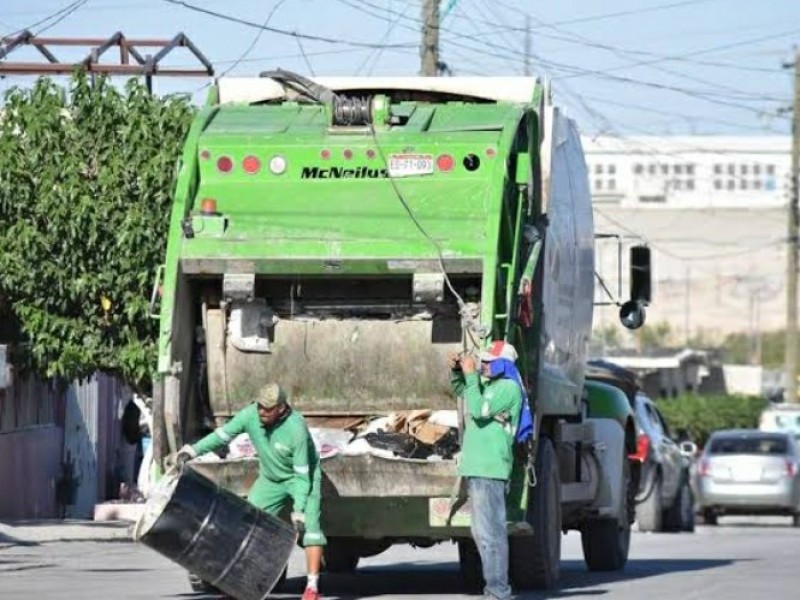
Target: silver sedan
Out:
[748,472]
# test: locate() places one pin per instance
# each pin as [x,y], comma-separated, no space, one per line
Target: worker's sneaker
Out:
[311,594]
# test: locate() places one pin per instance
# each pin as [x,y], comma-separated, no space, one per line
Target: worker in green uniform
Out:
[288,468]
[492,404]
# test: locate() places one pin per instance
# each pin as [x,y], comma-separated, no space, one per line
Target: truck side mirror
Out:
[640,274]
[631,314]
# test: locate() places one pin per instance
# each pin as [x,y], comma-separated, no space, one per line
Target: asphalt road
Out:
[742,559]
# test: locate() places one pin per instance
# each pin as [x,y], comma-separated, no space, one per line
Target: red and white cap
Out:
[499,349]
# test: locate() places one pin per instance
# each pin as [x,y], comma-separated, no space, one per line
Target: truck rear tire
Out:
[534,561]
[606,542]
[340,555]
[469,561]
[650,513]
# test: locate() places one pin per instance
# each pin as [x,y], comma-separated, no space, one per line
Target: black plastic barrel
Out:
[216,535]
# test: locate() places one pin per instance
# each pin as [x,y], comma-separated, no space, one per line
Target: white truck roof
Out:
[505,89]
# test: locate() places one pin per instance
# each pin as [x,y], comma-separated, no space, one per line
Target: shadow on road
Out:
[443,579]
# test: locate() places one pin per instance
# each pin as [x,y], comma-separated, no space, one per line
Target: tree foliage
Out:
[702,415]
[86,178]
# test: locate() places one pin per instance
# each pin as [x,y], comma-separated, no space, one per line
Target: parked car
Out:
[665,501]
[750,472]
[661,465]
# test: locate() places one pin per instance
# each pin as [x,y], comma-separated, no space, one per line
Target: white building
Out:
[713,210]
[689,172]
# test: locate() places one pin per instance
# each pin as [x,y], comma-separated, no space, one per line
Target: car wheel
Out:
[680,516]
[796,520]
[709,517]
[650,513]
[469,562]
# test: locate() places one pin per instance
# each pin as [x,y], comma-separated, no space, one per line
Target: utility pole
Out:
[527,46]
[429,52]
[792,250]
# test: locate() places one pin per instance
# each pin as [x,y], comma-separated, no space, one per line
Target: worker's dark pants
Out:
[488,501]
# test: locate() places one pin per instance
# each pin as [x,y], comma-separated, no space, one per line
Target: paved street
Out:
[742,559]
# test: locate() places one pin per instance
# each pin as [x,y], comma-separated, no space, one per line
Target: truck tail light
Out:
[251,164]
[642,448]
[224,164]
[277,165]
[445,163]
[208,206]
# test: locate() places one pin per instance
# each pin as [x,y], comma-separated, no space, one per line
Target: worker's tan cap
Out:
[271,395]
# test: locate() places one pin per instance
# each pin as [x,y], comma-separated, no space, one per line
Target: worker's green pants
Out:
[271,496]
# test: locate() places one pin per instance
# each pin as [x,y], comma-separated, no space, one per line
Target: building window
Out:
[638,168]
[731,169]
[690,169]
[756,169]
[743,184]
[665,169]
[677,184]
[598,184]
[756,184]
[717,169]
[743,169]
[731,184]
[598,169]
[690,184]
[771,170]
[652,199]
[677,169]
[612,169]
[612,184]
[651,169]
[717,184]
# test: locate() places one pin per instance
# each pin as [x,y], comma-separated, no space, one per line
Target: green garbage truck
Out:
[342,236]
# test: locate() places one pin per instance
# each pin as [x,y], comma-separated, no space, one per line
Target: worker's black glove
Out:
[299,522]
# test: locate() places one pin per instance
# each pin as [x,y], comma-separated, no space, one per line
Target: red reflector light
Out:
[205,154]
[208,206]
[224,164]
[325,154]
[445,163]
[251,164]
[642,448]
[370,154]
[348,154]
[491,152]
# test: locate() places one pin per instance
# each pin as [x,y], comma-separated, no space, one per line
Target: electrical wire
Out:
[60,15]
[305,56]
[284,32]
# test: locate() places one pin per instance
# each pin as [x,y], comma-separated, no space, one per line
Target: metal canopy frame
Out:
[143,63]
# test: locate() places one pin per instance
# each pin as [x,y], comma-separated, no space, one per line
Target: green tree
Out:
[86,178]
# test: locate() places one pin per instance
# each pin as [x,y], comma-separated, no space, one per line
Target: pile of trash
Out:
[416,434]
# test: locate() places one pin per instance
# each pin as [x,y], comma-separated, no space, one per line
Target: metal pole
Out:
[687,306]
[429,52]
[791,250]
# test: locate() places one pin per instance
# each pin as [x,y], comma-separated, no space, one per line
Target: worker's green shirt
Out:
[491,414]
[286,452]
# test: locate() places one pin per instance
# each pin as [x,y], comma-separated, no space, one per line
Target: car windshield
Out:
[749,445]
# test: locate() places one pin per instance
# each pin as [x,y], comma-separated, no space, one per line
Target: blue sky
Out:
[723,75]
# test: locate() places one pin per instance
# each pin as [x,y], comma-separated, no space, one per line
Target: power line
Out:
[66,14]
[305,56]
[62,12]
[284,32]
[256,39]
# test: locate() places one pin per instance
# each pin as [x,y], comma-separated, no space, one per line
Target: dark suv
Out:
[665,501]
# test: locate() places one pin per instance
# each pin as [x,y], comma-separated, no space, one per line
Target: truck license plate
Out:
[408,165]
